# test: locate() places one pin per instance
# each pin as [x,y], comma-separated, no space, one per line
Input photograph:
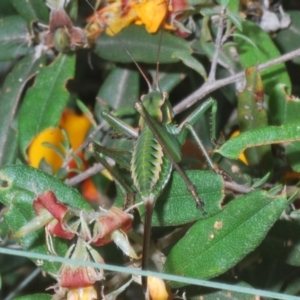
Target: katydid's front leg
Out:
[120,156]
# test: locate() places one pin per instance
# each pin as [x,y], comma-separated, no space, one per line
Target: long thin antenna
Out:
[126,50]
[159,49]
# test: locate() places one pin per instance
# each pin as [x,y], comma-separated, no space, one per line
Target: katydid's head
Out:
[158,106]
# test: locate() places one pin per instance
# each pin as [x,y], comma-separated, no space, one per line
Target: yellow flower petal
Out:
[37,151]
[76,127]
[151,13]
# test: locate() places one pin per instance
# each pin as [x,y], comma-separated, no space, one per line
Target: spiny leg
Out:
[95,149]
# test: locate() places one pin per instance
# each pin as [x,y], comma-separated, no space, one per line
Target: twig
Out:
[23,284]
[214,63]
[87,173]
[237,187]
[208,87]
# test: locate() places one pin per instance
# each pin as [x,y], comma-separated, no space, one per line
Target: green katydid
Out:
[157,148]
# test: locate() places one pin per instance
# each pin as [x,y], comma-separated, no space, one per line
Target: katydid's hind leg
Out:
[187,126]
[190,128]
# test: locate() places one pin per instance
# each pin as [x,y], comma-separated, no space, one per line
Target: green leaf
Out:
[120,89]
[32,10]
[235,19]
[20,185]
[191,62]
[266,50]
[16,179]
[252,115]
[45,100]
[10,94]
[284,108]
[176,206]
[245,38]
[287,39]
[14,38]
[143,47]
[286,133]
[171,78]
[209,12]
[208,47]
[35,297]
[214,245]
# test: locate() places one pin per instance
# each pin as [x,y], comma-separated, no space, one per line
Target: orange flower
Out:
[121,13]
[151,13]
[76,127]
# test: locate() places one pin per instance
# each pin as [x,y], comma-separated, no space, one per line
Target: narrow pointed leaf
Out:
[9,97]
[214,245]
[286,133]
[235,19]
[45,100]
[191,62]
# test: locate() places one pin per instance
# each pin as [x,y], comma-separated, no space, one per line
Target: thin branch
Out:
[214,63]
[23,284]
[87,173]
[238,187]
[208,87]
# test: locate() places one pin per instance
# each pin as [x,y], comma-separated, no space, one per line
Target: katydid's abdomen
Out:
[150,168]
